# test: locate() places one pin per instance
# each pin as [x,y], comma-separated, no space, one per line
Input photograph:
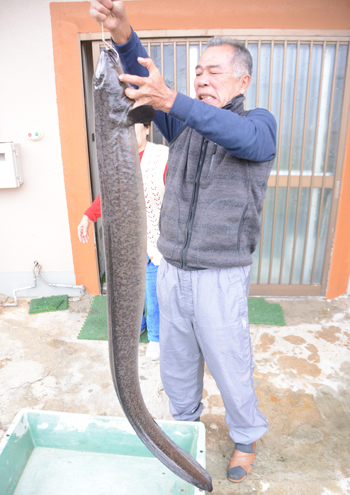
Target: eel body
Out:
[124,234]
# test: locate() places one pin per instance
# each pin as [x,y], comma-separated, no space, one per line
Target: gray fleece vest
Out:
[210,216]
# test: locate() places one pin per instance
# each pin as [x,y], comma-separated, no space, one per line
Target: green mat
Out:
[46,304]
[264,313]
[95,325]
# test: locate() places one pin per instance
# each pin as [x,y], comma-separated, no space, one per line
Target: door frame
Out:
[334,182]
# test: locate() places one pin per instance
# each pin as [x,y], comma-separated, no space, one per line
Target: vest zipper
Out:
[193,206]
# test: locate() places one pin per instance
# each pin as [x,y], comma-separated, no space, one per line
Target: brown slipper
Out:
[240,465]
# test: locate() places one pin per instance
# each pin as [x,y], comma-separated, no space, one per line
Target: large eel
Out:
[124,234]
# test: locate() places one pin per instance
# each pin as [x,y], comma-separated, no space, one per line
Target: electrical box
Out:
[11,174]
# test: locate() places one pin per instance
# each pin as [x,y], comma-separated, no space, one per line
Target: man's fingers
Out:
[139,94]
[151,90]
[99,13]
[100,18]
[134,94]
[100,10]
[118,9]
[147,62]
[103,6]
[136,103]
[136,80]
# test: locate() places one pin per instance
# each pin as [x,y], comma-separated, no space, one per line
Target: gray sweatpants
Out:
[204,317]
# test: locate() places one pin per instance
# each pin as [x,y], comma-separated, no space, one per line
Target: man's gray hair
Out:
[242,60]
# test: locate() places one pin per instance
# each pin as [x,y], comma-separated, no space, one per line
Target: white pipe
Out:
[15,303]
[80,287]
[36,272]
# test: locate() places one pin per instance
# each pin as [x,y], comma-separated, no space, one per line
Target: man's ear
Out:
[245,81]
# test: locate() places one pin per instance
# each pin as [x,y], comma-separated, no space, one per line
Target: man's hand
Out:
[152,89]
[114,18]
[83,229]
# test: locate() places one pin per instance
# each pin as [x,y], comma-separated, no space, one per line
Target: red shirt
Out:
[94,211]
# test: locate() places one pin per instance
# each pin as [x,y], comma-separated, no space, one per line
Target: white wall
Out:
[34,218]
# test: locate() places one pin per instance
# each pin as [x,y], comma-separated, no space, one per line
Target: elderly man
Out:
[220,158]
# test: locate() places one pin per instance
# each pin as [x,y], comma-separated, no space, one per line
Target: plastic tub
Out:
[53,453]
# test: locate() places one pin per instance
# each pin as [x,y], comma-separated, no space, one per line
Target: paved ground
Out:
[302,380]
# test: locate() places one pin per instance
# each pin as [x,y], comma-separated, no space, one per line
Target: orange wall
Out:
[70,19]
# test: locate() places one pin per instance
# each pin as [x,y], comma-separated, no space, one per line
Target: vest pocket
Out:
[212,160]
[240,226]
[168,224]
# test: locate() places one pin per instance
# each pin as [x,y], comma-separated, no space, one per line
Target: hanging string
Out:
[109,47]
[103,35]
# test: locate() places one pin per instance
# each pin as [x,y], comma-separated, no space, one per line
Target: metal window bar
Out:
[175,67]
[263,210]
[313,164]
[162,72]
[325,162]
[339,161]
[290,162]
[246,45]
[301,165]
[147,47]
[279,146]
[271,71]
[187,68]
[258,74]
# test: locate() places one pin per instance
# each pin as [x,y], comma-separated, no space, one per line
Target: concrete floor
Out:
[302,380]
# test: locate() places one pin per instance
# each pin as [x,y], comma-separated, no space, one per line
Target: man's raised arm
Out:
[139,69]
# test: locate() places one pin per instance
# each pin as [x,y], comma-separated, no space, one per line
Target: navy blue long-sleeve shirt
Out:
[251,137]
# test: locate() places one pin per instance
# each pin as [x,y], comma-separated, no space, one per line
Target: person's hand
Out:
[83,229]
[113,17]
[152,89]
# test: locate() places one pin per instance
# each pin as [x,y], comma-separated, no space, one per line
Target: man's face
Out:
[214,83]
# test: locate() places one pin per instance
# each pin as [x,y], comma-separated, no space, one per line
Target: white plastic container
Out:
[11,174]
